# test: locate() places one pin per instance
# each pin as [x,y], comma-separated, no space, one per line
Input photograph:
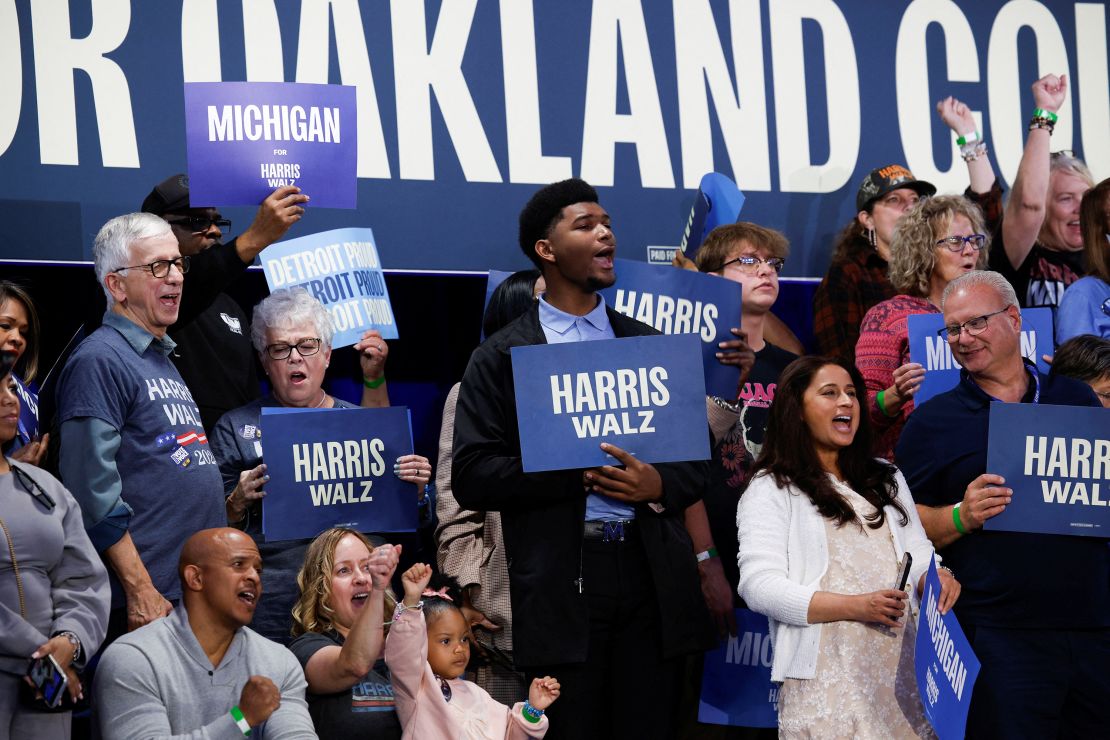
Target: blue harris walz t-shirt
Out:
[169,475]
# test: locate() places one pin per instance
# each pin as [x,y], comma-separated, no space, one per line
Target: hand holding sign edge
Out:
[638,481]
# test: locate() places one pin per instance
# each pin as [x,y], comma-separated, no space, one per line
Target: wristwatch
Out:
[74,640]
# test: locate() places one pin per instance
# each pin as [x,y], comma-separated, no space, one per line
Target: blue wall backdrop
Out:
[465,106]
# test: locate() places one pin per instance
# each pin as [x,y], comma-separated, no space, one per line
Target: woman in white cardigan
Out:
[822,530]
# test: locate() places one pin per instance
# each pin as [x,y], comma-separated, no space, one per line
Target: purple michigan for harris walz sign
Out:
[245,139]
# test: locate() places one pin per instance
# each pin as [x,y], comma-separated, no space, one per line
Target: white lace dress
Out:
[865,685]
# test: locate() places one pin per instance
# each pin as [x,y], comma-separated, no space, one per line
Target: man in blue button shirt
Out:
[1036,608]
[604,584]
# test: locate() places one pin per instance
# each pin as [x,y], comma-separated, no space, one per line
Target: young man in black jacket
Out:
[604,583]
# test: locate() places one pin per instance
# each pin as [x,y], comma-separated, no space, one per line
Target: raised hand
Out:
[543,692]
[415,580]
[382,565]
[372,354]
[1049,92]
[956,115]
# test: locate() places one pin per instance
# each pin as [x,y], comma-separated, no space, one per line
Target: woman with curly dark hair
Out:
[823,528]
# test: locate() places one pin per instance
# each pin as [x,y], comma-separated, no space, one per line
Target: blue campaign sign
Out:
[736,686]
[942,372]
[334,467]
[643,394]
[717,202]
[1057,461]
[340,269]
[246,139]
[682,302]
[465,108]
[944,663]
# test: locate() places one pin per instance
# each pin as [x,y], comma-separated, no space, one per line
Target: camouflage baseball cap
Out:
[884,179]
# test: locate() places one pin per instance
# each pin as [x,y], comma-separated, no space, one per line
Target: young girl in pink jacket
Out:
[427,649]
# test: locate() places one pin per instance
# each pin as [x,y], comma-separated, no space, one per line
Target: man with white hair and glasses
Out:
[133,449]
[1035,607]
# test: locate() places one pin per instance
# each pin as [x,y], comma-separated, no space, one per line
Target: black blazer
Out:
[543,515]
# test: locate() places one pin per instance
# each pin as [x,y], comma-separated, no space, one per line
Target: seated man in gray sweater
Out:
[201,672]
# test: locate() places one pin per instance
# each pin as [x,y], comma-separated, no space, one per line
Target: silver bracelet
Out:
[726,405]
[946,568]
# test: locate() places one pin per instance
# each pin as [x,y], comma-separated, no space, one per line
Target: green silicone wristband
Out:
[1042,113]
[956,519]
[969,139]
[237,715]
[880,399]
[372,384]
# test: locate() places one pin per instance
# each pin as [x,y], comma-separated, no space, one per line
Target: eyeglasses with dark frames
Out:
[160,268]
[749,263]
[957,243]
[305,348]
[974,326]
[197,224]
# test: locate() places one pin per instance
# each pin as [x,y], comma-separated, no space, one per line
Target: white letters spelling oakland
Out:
[701,73]
[610,390]
[950,662]
[669,315]
[1064,457]
[333,468]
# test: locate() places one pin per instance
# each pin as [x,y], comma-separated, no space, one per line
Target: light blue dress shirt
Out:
[559,327]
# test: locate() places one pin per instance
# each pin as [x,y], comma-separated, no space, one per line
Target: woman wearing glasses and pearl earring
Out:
[937,241]
[292,333]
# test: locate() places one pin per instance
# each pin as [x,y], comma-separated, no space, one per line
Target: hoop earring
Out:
[871,237]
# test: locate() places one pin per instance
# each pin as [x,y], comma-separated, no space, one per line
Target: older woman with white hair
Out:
[292,333]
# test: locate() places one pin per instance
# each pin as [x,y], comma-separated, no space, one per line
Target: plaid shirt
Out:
[850,288]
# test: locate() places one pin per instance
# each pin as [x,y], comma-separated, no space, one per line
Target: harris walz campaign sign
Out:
[736,687]
[645,395]
[246,139]
[682,302]
[1057,461]
[334,468]
[942,372]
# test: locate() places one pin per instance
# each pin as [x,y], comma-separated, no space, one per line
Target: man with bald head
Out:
[1035,607]
[201,671]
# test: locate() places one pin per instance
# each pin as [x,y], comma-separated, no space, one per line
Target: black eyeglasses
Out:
[160,268]
[305,348]
[750,264]
[197,224]
[32,487]
[957,243]
[974,326]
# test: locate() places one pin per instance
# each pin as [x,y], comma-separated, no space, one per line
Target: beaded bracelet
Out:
[972,153]
[530,713]
[1046,123]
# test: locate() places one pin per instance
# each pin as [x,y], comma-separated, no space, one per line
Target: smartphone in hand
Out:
[903,572]
[49,679]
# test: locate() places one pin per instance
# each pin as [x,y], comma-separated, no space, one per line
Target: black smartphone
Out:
[49,679]
[903,572]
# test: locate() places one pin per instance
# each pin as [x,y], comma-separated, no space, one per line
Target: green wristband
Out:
[956,519]
[372,384]
[880,399]
[1042,113]
[971,138]
[240,720]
